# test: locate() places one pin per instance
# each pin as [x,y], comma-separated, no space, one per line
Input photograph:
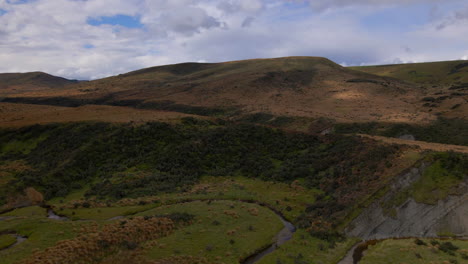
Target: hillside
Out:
[30,83]
[429,73]
[39,79]
[291,160]
[294,86]
[445,84]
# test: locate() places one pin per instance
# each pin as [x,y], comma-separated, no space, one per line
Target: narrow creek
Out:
[19,239]
[52,215]
[356,253]
[282,237]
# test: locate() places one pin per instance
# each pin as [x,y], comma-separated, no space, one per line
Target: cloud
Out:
[321,5]
[187,20]
[55,35]
[234,6]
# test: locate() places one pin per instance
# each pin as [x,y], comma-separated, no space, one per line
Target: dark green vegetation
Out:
[217,187]
[6,240]
[223,228]
[127,161]
[446,131]
[304,249]
[417,251]
[442,178]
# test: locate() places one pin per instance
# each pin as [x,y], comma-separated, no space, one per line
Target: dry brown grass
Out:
[17,115]
[421,144]
[182,260]
[95,244]
[297,86]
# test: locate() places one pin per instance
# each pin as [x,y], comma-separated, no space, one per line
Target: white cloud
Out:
[53,35]
[321,5]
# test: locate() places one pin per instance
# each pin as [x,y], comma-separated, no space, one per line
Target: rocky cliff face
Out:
[412,219]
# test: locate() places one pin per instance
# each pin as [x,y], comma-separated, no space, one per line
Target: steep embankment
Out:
[293,86]
[427,201]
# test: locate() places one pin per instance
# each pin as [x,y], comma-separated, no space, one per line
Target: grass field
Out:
[435,73]
[30,211]
[407,251]
[103,213]
[6,241]
[222,230]
[436,184]
[289,199]
[304,248]
[41,233]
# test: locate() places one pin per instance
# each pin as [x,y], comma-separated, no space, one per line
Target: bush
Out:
[448,247]
[419,242]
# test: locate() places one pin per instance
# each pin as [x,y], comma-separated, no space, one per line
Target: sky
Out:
[90,39]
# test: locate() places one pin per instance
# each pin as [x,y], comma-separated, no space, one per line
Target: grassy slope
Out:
[41,232]
[30,211]
[407,251]
[221,230]
[103,213]
[445,131]
[34,79]
[290,197]
[304,248]
[6,241]
[435,73]
[292,86]
[444,84]
[290,200]
[437,183]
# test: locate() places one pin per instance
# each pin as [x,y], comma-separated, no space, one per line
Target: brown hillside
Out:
[12,84]
[293,86]
[445,84]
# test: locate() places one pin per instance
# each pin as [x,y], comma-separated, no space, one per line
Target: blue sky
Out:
[89,39]
[116,20]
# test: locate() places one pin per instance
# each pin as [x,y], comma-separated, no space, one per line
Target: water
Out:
[282,237]
[52,215]
[19,239]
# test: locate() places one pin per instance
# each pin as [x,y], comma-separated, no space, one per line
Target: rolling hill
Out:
[30,83]
[295,86]
[286,160]
[445,84]
[440,73]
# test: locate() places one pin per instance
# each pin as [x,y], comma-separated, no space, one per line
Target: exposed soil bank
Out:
[411,219]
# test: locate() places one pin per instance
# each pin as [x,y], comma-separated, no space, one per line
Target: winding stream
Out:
[52,215]
[19,239]
[282,237]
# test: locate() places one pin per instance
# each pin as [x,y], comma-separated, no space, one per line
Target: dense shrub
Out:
[446,131]
[134,161]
